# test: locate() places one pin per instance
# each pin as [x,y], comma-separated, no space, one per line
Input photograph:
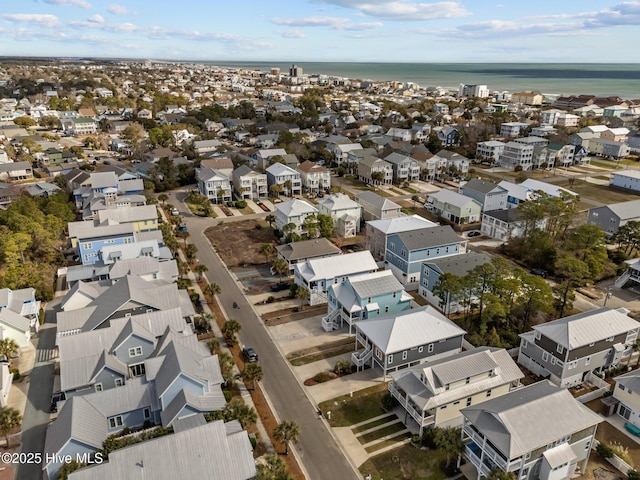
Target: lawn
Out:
[629,450]
[347,410]
[198,210]
[381,432]
[599,193]
[405,463]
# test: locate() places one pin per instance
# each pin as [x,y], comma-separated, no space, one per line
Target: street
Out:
[318,450]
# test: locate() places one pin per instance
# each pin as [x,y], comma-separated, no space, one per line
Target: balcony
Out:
[406,403]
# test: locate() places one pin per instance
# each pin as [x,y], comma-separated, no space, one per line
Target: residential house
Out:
[433,394]
[627,395]
[543,131]
[513,129]
[400,134]
[488,194]
[297,252]
[143,218]
[569,349]
[87,238]
[516,154]
[458,265]
[293,211]
[608,148]
[286,178]
[448,136]
[19,314]
[341,150]
[525,98]
[205,146]
[318,274]
[377,231]
[346,213]
[453,162]
[250,184]
[375,171]
[539,432]
[620,134]
[79,126]
[264,157]
[315,178]
[405,169]
[506,224]
[405,339]
[454,207]
[631,276]
[223,165]
[13,171]
[407,250]
[490,150]
[362,297]
[554,155]
[626,179]
[377,207]
[214,185]
[207,450]
[613,216]
[548,188]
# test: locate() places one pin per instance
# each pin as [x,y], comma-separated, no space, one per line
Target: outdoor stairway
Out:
[330,322]
[623,279]
[359,359]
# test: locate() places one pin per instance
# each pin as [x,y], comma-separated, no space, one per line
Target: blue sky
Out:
[325,30]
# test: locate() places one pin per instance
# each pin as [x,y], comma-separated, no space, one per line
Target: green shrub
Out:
[271,299]
[633,474]
[322,377]
[227,395]
[604,450]
[194,297]
[388,402]
[16,374]
[240,203]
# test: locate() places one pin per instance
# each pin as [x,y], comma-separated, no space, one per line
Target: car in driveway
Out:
[249,354]
[540,272]
[280,286]
[474,233]
[175,212]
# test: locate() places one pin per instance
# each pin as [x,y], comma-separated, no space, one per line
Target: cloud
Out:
[118,9]
[96,19]
[70,3]
[336,23]
[43,19]
[290,33]
[405,10]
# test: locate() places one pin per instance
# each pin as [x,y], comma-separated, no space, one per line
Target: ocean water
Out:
[552,78]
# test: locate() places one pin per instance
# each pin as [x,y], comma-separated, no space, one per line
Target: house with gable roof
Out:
[405,169]
[293,211]
[405,339]
[377,207]
[432,394]
[346,213]
[613,216]
[454,207]
[490,195]
[539,432]
[19,311]
[288,178]
[377,231]
[315,178]
[568,350]
[214,185]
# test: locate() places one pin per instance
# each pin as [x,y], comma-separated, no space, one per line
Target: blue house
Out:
[364,296]
[90,239]
[458,265]
[407,250]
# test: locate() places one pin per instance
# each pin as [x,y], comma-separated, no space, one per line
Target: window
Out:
[98,387]
[137,370]
[457,403]
[404,355]
[489,393]
[587,361]
[390,358]
[468,401]
[621,387]
[430,348]
[559,348]
[573,364]
[437,251]
[610,339]
[115,421]
[403,252]
[467,380]
[146,412]
[395,294]
[545,356]
[524,344]
[386,309]
[119,382]
[420,349]
[392,246]
[86,246]
[537,335]
[135,351]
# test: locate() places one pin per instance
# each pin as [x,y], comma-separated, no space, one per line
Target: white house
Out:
[345,212]
[286,177]
[314,177]
[293,211]
[214,185]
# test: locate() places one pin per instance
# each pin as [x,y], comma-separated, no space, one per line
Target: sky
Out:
[418,31]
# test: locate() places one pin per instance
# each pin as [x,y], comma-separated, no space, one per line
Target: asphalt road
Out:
[321,457]
[36,414]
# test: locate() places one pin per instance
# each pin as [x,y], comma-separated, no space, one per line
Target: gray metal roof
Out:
[412,328]
[530,418]
[192,421]
[377,201]
[459,265]
[374,284]
[453,198]
[482,186]
[184,403]
[200,453]
[630,380]
[509,215]
[400,224]
[588,327]
[128,215]
[317,247]
[625,210]
[430,237]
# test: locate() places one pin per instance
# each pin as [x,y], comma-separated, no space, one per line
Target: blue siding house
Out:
[364,296]
[89,247]
[406,251]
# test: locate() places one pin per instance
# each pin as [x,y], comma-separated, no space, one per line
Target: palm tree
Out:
[183,235]
[270,219]
[236,409]
[163,197]
[252,372]
[266,249]
[303,294]
[8,347]
[287,431]
[200,269]
[449,440]
[275,188]
[229,330]
[226,367]
[9,419]
[280,267]
[212,289]
[274,468]
[205,320]
[190,251]
[287,186]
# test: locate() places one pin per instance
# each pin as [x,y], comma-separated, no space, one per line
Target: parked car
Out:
[540,272]
[474,233]
[183,228]
[175,212]
[249,355]
[280,286]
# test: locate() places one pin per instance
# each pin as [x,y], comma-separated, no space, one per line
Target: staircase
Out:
[331,321]
[359,359]
[624,278]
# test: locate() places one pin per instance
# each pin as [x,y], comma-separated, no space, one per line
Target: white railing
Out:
[623,279]
[360,358]
[330,321]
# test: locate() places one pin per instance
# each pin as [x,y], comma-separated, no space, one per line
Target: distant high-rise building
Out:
[473,91]
[275,71]
[295,71]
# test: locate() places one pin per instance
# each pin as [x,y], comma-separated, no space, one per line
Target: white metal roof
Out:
[337,266]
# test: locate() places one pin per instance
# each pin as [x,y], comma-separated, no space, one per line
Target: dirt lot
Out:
[599,193]
[237,243]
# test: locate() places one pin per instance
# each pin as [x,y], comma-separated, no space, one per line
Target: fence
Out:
[602,388]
